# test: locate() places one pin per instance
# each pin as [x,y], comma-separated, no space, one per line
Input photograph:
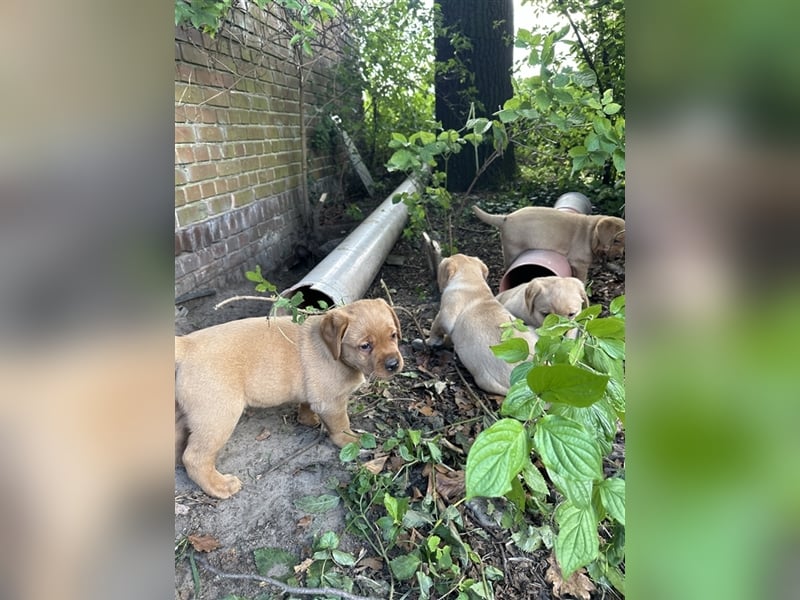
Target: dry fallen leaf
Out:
[263,434]
[426,411]
[578,585]
[450,485]
[375,465]
[303,566]
[376,564]
[304,522]
[204,543]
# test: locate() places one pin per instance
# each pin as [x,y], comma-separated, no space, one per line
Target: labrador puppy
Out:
[260,362]
[534,300]
[581,238]
[470,316]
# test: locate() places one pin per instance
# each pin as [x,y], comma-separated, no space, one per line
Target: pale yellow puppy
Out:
[541,296]
[471,316]
[264,362]
[581,238]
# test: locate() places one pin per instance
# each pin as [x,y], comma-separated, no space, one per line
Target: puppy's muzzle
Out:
[391,364]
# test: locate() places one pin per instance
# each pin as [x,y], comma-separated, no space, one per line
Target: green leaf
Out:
[619,161]
[512,350]
[516,495]
[349,452]
[508,116]
[568,384]
[590,312]
[327,541]
[415,518]
[317,504]
[532,538]
[612,495]
[577,543]
[425,585]
[577,492]
[497,456]
[612,108]
[404,567]
[396,507]
[344,559]
[254,275]
[585,79]
[402,160]
[567,448]
[521,403]
[367,440]
[520,372]
[613,348]
[399,138]
[608,327]
[275,562]
[577,151]
[415,435]
[534,479]
[617,305]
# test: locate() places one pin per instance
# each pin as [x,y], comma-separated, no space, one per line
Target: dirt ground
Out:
[281,462]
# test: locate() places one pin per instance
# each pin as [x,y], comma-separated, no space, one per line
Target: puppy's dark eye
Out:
[366,346]
[394,335]
[572,315]
[545,313]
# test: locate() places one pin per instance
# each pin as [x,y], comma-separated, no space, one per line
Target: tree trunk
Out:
[474,55]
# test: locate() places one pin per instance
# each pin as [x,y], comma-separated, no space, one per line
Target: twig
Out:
[237,298]
[294,454]
[386,290]
[413,318]
[286,589]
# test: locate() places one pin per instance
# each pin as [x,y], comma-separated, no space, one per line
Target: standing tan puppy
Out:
[264,362]
[534,300]
[471,317]
[581,238]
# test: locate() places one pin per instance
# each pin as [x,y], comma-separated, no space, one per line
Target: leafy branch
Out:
[562,409]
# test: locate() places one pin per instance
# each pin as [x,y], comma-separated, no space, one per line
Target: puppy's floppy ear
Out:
[446,270]
[604,233]
[396,321]
[584,297]
[533,289]
[332,329]
[484,270]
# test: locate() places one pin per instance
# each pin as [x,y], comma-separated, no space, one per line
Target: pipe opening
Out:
[312,297]
[524,274]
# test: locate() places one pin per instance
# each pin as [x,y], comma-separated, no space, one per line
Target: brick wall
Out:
[238,150]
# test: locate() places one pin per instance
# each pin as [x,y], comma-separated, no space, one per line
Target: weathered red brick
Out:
[202,171]
[184,133]
[193,193]
[184,154]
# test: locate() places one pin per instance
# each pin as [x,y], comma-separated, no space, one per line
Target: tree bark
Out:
[474,55]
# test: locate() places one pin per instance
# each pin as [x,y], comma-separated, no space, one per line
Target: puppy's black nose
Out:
[391,364]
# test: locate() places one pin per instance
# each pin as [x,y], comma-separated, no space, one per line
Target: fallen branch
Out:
[286,589]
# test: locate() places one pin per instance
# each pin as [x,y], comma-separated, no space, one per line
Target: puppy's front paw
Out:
[342,438]
[223,486]
[435,343]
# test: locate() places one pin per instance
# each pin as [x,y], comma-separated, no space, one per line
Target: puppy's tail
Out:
[496,220]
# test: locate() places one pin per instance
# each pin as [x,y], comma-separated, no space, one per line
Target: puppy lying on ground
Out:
[581,238]
[471,317]
[534,300]
[263,362]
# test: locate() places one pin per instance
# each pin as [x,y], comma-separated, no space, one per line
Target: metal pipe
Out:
[345,274]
